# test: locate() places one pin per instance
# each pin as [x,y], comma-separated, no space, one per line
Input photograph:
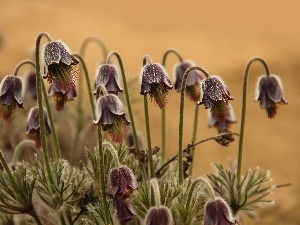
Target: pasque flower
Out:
[33,125]
[215,96]
[111,116]
[155,82]
[159,216]
[269,94]
[60,65]
[108,76]
[217,212]
[225,124]
[121,183]
[61,96]
[11,95]
[193,80]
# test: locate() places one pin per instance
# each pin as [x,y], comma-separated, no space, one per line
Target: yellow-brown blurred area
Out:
[221,36]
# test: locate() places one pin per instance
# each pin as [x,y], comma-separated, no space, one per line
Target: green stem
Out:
[180,135]
[18,67]
[163,110]
[40,104]
[21,145]
[244,105]
[150,153]
[112,152]
[96,40]
[134,133]
[194,135]
[156,192]
[57,152]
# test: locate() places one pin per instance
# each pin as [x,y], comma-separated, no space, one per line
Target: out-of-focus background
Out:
[221,36]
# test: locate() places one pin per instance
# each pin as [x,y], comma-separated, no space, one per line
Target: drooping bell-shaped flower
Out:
[215,96]
[193,80]
[11,95]
[121,182]
[217,212]
[61,96]
[269,94]
[107,75]
[220,125]
[159,216]
[123,210]
[156,83]
[33,129]
[110,114]
[60,65]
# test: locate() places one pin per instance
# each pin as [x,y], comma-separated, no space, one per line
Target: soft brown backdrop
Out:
[218,35]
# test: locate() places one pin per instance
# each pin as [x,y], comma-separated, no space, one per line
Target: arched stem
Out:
[134,133]
[156,192]
[163,110]
[19,148]
[147,121]
[180,133]
[112,151]
[40,104]
[244,103]
[22,63]
[97,41]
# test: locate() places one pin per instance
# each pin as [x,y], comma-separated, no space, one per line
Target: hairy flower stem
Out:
[134,134]
[21,146]
[40,104]
[22,63]
[244,105]
[156,192]
[180,132]
[150,153]
[163,110]
[195,126]
[80,120]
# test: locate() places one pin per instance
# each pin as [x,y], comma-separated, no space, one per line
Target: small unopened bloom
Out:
[217,212]
[269,93]
[215,96]
[108,76]
[33,129]
[60,65]
[193,80]
[155,82]
[30,82]
[110,114]
[61,96]
[159,216]
[121,182]
[11,95]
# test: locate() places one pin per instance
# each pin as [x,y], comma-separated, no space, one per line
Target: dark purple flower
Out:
[11,95]
[33,125]
[155,82]
[121,182]
[60,65]
[269,93]
[159,216]
[217,212]
[108,76]
[61,96]
[30,82]
[215,96]
[110,114]
[124,212]
[193,80]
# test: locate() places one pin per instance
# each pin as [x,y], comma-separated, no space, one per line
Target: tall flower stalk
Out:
[272,95]
[163,110]
[180,132]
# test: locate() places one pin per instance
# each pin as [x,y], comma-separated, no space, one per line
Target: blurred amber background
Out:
[221,36]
